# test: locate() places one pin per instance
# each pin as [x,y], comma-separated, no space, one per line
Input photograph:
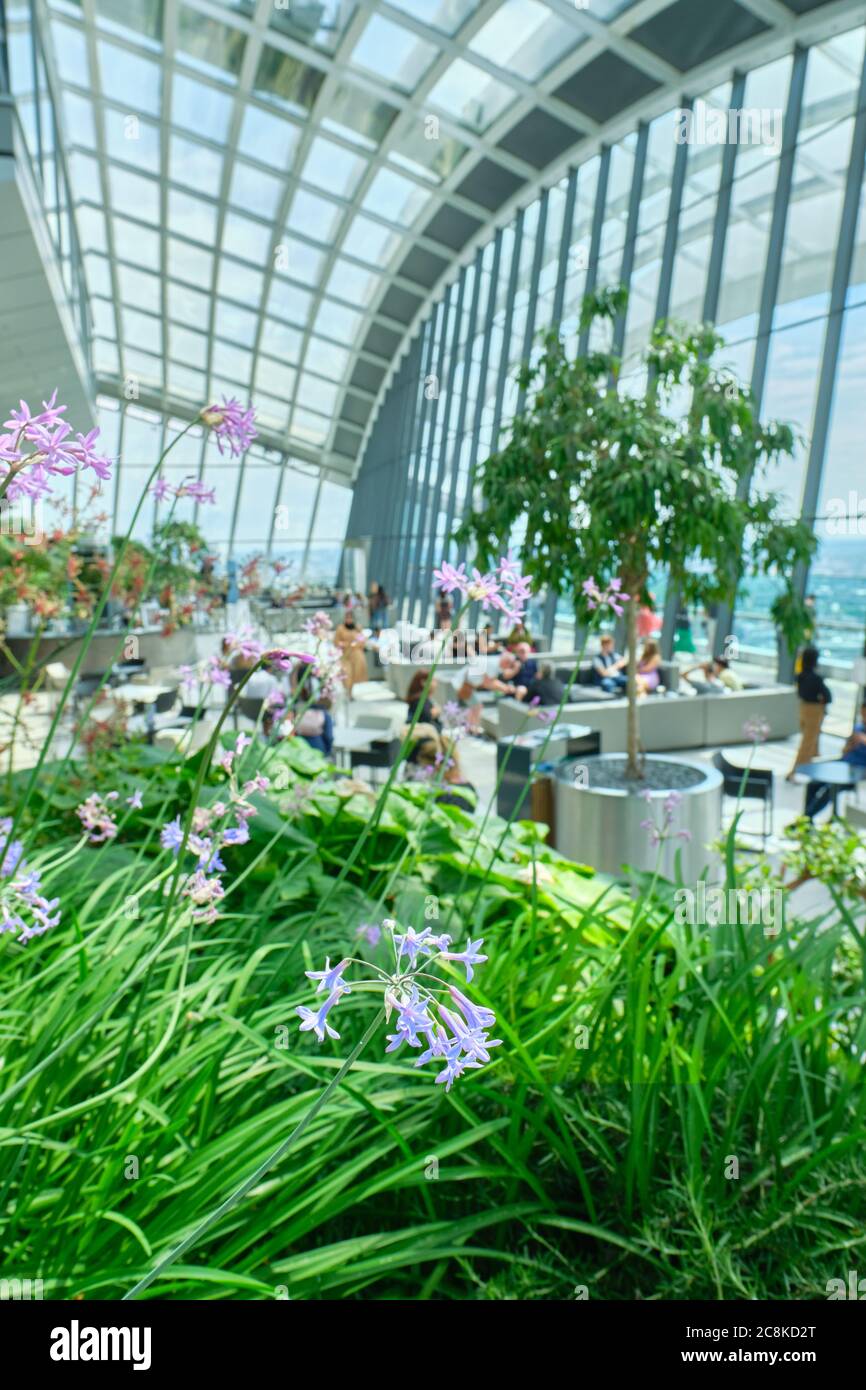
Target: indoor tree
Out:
[599,479]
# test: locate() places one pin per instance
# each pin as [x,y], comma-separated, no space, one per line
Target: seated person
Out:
[517,634]
[608,667]
[715,677]
[313,721]
[545,689]
[439,760]
[726,674]
[505,682]
[648,673]
[528,665]
[487,641]
[820,794]
[422,704]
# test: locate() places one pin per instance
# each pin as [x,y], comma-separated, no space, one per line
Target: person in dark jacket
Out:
[545,689]
[814,699]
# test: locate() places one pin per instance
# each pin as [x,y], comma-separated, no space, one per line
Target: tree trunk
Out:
[633,769]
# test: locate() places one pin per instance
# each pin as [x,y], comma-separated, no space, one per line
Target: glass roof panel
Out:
[200,107]
[358,116]
[122,71]
[280,168]
[396,198]
[254,190]
[269,138]
[393,53]
[526,37]
[321,23]
[333,168]
[473,97]
[208,45]
[447,15]
[286,80]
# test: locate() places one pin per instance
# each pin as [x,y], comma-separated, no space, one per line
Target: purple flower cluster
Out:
[233,426]
[611,597]
[207,837]
[454,720]
[26,473]
[319,626]
[657,833]
[505,589]
[23,906]
[757,730]
[190,488]
[453,1033]
[97,818]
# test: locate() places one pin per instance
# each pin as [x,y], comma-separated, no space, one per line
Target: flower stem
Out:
[249,1183]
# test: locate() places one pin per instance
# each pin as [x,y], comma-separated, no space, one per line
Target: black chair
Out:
[250,707]
[382,753]
[756,785]
[123,671]
[163,704]
[86,686]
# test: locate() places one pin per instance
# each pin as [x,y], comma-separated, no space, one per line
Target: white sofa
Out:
[666,722]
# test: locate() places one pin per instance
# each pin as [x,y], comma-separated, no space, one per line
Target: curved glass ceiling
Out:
[267,191]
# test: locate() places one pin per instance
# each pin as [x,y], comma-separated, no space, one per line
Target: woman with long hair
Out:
[648,673]
[814,696]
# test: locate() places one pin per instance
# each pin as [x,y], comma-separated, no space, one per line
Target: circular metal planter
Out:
[601,826]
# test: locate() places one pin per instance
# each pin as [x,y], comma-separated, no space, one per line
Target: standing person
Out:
[820,794]
[378,608]
[351,644]
[444,610]
[814,696]
[648,620]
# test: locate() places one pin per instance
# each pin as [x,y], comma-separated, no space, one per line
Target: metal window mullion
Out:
[413,461]
[442,473]
[833,339]
[722,218]
[416,404]
[489,314]
[712,290]
[422,458]
[595,238]
[565,248]
[401,465]
[313,516]
[672,228]
[772,275]
[662,308]
[394,428]
[507,327]
[775,245]
[628,250]
[464,394]
[532,306]
[415,588]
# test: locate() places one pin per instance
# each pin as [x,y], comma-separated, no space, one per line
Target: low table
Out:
[517,756]
[838,775]
[351,740]
[136,694]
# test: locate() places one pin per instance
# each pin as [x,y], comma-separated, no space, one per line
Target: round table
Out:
[839,775]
